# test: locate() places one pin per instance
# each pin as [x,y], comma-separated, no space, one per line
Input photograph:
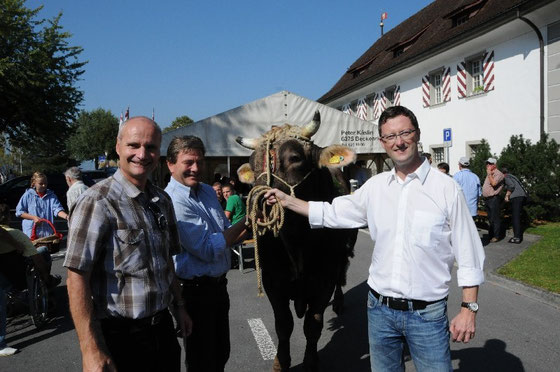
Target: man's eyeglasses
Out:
[391,138]
[158,215]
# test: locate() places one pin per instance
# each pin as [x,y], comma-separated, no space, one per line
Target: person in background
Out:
[421,225]
[76,187]
[444,168]
[235,208]
[517,195]
[13,250]
[470,185]
[493,185]
[217,186]
[428,156]
[36,203]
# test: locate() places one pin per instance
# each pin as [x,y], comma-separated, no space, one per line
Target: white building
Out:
[474,66]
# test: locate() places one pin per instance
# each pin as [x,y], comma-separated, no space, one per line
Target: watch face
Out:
[473,306]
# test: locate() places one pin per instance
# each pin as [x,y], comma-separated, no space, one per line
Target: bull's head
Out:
[289,155]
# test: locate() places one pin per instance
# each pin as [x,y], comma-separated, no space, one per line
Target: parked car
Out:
[12,190]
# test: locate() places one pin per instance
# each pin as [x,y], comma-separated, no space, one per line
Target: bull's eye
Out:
[294,159]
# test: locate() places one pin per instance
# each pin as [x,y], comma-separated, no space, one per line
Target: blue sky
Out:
[200,58]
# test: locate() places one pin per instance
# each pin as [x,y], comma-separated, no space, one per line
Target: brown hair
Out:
[184,144]
[36,176]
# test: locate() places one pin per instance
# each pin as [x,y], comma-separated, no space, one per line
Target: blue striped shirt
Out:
[470,184]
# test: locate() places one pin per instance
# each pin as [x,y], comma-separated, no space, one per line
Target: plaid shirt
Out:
[114,235]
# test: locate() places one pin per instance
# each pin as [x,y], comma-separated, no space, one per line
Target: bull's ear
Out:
[246,174]
[336,156]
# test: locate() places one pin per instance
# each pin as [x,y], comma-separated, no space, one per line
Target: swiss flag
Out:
[383,16]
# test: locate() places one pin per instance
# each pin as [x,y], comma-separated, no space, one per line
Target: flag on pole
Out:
[153,115]
[383,16]
[127,114]
[120,120]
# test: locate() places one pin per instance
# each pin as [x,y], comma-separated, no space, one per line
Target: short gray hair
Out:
[123,124]
[74,173]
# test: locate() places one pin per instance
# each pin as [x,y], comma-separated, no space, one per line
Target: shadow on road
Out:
[59,322]
[348,349]
[492,357]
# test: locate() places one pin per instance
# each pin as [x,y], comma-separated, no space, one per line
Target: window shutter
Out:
[462,80]
[426,91]
[397,99]
[447,85]
[488,77]
[362,109]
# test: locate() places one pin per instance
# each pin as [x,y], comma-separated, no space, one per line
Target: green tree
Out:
[179,122]
[478,161]
[38,73]
[537,166]
[95,134]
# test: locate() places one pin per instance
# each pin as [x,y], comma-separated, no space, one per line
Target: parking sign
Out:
[447,137]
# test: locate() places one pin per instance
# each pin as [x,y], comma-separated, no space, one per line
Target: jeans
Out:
[426,332]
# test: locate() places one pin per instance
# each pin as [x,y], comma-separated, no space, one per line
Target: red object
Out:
[34,234]
[383,15]
[127,114]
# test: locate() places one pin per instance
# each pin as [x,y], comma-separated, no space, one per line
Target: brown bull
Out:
[300,264]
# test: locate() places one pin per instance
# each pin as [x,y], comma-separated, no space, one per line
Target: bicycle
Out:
[35,297]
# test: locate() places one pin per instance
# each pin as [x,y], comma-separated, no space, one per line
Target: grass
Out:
[539,265]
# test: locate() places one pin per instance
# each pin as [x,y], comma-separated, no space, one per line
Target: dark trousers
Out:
[516,208]
[140,346]
[208,346]
[493,205]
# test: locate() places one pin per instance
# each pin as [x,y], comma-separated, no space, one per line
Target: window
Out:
[436,87]
[475,70]
[438,155]
[390,96]
[472,147]
[459,20]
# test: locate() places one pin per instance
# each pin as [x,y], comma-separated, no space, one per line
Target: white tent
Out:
[218,132]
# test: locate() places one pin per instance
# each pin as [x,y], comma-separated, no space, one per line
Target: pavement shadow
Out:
[59,322]
[491,357]
[348,349]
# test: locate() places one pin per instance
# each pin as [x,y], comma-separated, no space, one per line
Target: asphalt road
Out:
[514,332]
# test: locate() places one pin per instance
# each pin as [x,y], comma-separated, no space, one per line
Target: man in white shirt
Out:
[420,223]
[75,185]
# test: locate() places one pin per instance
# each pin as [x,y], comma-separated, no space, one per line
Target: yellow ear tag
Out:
[336,159]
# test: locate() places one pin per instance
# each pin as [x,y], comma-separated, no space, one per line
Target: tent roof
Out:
[253,119]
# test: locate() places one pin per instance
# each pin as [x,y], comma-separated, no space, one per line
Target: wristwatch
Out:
[472,306]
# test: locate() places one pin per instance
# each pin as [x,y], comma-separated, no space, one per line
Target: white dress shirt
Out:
[419,226]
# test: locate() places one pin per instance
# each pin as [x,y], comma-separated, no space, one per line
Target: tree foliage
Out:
[179,122]
[95,134]
[38,73]
[478,162]
[537,166]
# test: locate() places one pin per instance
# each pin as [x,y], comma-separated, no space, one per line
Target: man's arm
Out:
[463,326]
[235,233]
[299,206]
[7,238]
[95,356]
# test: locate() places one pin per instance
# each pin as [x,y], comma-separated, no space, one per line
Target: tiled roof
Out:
[423,34]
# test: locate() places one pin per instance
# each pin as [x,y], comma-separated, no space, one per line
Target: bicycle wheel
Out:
[38,298]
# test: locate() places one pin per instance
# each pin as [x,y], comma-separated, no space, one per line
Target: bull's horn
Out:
[310,129]
[249,143]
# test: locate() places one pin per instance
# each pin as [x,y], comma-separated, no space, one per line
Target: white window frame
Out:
[436,86]
[470,148]
[475,74]
[438,154]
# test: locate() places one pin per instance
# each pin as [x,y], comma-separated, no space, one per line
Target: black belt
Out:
[402,303]
[204,281]
[135,324]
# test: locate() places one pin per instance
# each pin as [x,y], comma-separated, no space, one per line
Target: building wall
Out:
[553,80]
[511,108]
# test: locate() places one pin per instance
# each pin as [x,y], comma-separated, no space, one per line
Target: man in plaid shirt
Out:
[121,280]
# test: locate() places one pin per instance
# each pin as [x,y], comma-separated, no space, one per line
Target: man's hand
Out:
[462,327]
[185,321]
[97,361]
[274,196]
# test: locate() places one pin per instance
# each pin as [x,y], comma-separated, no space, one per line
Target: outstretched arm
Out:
[299,206]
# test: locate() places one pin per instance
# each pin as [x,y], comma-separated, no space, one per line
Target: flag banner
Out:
[127,114]
[153,115]
[383,16]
